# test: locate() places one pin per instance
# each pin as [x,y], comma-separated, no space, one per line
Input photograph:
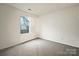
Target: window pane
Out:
[24,25]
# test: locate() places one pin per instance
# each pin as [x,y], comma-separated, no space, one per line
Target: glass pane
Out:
[24,25]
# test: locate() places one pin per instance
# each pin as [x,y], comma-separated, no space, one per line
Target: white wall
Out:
[61,26]
[9,26]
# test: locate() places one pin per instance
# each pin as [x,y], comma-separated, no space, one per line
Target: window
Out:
[24,25]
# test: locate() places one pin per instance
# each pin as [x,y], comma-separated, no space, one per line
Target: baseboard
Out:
[60,43]
[17,44]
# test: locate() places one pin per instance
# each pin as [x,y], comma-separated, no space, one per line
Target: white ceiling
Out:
[40,8]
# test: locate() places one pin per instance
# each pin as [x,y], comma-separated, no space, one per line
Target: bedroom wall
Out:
[61,26]
[9,26]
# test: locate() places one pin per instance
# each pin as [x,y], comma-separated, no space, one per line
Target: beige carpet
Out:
[40,47]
